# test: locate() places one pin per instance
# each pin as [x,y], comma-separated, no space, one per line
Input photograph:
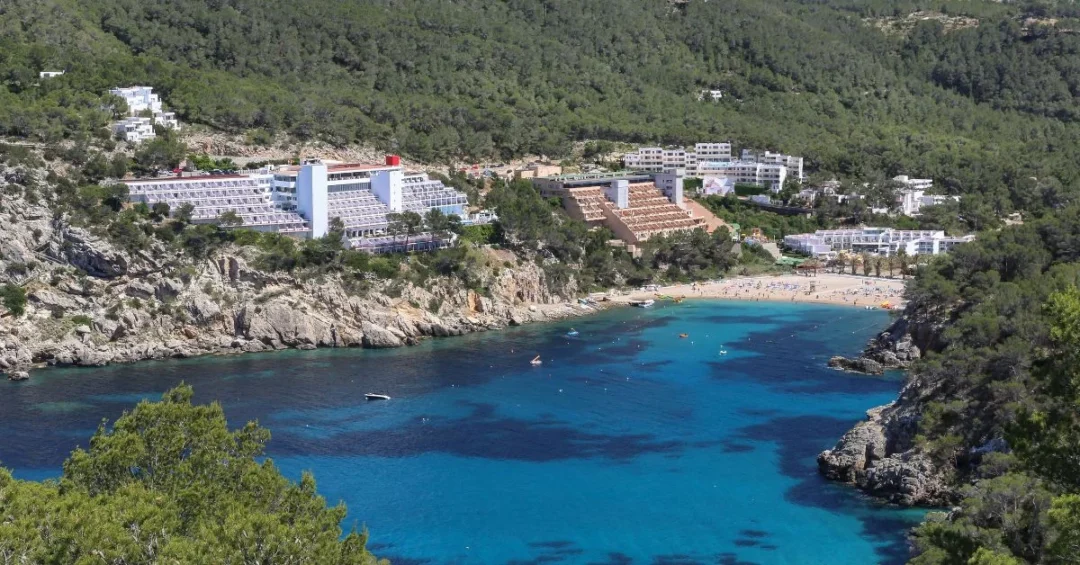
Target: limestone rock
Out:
[857,365]
[859,448]
[94,256]
[139,289]
[57,302]
[18,376]
[908,478]
[168,289]
[379,337]
[203,309]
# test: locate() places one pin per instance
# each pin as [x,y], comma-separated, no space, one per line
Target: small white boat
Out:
[642,303]
[536,361]
[373,396]
[572,333]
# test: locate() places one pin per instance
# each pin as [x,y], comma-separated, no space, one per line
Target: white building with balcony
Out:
[659,159]
[361,195]
[135,129]
[141,100]
[768,175]
[875,241]
[914,184]
[302,200]
[793,163]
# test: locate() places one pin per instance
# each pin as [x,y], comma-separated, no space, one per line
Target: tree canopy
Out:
[168,482]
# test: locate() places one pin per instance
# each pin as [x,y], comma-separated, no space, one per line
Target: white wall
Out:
[311,197]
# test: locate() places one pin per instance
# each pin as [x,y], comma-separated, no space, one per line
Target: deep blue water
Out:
[629,445]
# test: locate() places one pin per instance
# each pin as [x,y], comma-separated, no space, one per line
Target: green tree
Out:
[229,219]
[407,223]
[161,153]
[169,482]
[184,213]
[1047,436]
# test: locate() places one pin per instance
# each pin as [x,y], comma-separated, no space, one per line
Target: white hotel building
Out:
[301,200]
[715,160]
[826,244]
[768,175]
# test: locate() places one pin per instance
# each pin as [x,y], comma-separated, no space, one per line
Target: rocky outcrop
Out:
[897,347]
[115,307]
[90,254]
[879,455]
[857,365]
[876,457]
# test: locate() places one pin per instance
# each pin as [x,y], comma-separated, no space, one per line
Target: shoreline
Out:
[828,288]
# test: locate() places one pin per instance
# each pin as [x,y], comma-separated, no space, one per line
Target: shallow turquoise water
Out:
[629,445]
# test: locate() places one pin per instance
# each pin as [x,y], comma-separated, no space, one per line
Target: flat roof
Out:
[337,168]
[185,179]
[593,176]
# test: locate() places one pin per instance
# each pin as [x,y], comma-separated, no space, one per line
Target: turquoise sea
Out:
[628,445]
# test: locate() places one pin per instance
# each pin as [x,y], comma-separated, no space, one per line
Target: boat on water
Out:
[536,361]
[684,336]
[642,303]
[572,333]
[373,396]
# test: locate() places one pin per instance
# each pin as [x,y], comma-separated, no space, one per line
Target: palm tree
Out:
[867,264]
[892,264]
[855,260]
[839,261]
[878,261]
[902,258]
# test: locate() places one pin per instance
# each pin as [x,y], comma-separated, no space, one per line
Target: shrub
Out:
[14,298]
[81,320]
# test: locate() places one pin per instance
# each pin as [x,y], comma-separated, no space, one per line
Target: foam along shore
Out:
[828,288]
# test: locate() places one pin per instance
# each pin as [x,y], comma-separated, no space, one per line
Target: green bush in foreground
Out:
[169,483]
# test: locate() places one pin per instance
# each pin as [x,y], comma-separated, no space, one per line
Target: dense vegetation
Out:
[1001,390]
[168,482]
[982,109]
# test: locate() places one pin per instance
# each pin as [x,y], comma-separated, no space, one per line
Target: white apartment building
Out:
[914,184]
[768,175]
[793,163]
[912,201]
[659,159]
[712,152]
[141,99]
[135,129]
[50,74]
[876,241]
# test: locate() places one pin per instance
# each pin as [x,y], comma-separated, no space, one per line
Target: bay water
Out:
[630,443]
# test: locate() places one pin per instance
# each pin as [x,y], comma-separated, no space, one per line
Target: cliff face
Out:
[879,455]
[90,303]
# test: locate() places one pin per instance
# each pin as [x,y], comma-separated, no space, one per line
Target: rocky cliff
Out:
[90,303]
[880,455]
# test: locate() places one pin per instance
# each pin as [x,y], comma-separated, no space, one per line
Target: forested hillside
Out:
[980,108]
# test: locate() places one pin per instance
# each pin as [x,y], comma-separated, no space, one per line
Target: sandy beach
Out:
[826,288]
